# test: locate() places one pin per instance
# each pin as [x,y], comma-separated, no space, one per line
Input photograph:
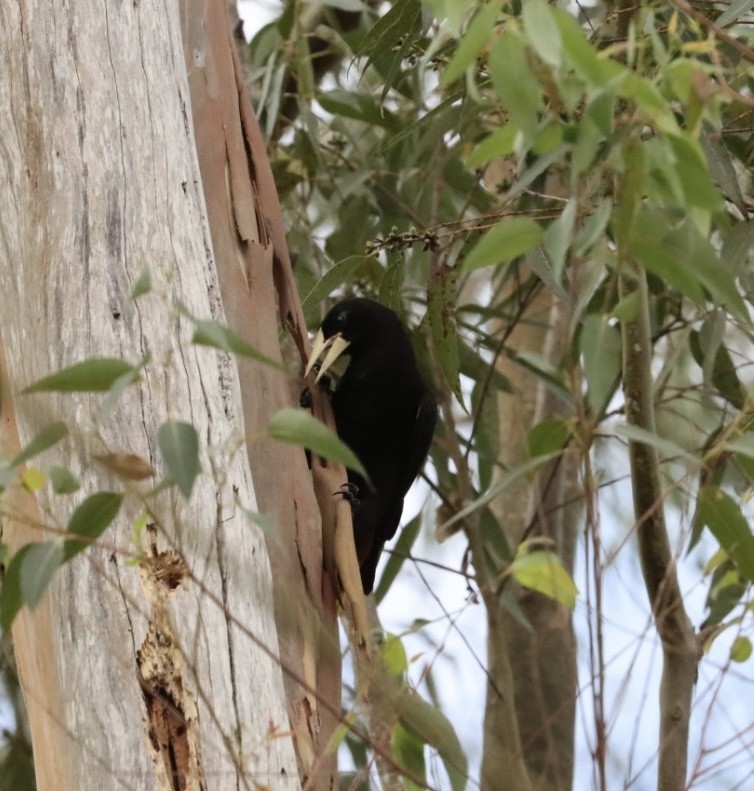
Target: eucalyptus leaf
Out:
[472,43]
[722,515]
[601,348]
[95,375]
[45,439]
[542,31]
[544,572]
[515,81]
[298,427]
[39,564]
[408,751]
[507,240]
[90,520]
[179,446]
[11,598]
[432,727]
[212,333]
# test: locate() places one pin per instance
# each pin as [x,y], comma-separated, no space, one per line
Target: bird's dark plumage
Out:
[383,411]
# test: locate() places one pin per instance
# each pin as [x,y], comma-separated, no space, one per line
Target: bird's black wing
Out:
[379,517]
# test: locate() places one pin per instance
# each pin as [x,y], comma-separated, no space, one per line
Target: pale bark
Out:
[257,287]
[129,683]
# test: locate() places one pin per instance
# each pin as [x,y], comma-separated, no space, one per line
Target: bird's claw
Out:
[349,491]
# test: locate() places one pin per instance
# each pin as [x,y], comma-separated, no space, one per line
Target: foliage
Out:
[457,160]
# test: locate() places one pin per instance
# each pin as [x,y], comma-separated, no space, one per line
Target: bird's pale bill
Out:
[334,346]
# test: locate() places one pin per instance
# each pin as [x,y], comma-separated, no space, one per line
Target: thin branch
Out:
[680,647]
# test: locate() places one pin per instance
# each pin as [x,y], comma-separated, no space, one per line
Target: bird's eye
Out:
[341,318]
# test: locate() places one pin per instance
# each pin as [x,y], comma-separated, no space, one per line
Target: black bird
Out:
[383,411]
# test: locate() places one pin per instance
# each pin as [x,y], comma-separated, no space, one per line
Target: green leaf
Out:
[650,243]
[90,520]
[542,31]
[734,12]
[693,172]
[179,446]
[441,312]
[432,727]
[585,58]
[394,655]
[408,752]
[509,239]
[633,194]
[118,387]
[46,438]
[472,42]
[716,362]
[544,370]
[398,556]
[548,438]
[498,144]
[95,376]
[666,448]
[727,589]
[740,651]
[402,21]
[389,290]
[515,83]
[11,599]
[342,272]
[648,98]
[39,564]
[687,260]
[722,168]
[505,482]
[723,517]
[485,408]
[743,444]
[303,67]
[298,427]
[62,480]
[143,284]
[601,348]
[544,572]
[557,240]
[628,308]
[390,39]
[540,264]
[214,334]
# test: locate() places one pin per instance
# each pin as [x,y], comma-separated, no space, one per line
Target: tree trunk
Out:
[542,658]
[256,283]
[160,674]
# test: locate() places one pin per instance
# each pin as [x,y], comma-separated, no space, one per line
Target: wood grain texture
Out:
[99,179]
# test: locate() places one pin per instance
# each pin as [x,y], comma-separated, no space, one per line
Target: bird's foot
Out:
[349,491]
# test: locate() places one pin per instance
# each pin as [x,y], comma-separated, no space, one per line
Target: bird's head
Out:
[353,327]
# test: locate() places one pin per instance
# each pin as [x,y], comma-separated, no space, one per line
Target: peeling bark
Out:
[259,295]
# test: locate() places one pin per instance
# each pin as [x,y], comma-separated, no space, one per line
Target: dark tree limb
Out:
[680,647]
